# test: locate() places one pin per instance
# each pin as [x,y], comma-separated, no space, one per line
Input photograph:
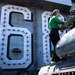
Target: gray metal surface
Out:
[35,50]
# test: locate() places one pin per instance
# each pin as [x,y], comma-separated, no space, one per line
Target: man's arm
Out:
[58,20]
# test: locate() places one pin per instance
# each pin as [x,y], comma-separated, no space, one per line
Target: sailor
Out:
[54,21]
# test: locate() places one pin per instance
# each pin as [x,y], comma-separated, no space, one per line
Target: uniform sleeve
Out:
[56,19]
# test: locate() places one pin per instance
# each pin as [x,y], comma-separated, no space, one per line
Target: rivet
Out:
[8,29]
[25,10]
[3,39]
[14,64]
[23,31]
[44,16]
[8,7]
[46,52]
[3,25]
[13,29]
[4,17]
[27,41]
[9,64]
[4,63]
[12,7]
[44,25]
[27,13]
[45,44]
[21,9]
[47,14]
[46,48]
[45,29]
[45,37]
[17,8]
[3,29]
[19,63]
[46,41]
[27,59]
[1,53]
[3,34]
[27,45]
[2,44]
[1,58]
[27,17]
[18,30]
[47,56]
[27,50]
[44,20]
[27,54]
[4,14]
[2,49]
[5,10]
[47,60]
[27,37]
[26,33]
[24,63]
[4,22]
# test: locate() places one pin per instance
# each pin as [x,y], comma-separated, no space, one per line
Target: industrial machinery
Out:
[65,48]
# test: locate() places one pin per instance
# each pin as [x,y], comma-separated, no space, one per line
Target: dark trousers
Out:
[54,37]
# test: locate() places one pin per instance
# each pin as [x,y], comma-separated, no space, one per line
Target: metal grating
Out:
[66,73]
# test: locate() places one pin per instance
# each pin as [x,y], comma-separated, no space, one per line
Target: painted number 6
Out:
[6,30]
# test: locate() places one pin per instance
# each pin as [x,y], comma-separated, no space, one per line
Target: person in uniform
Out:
[54,21]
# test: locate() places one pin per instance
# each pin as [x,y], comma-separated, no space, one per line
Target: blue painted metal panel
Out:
[65,2]
[41,55]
